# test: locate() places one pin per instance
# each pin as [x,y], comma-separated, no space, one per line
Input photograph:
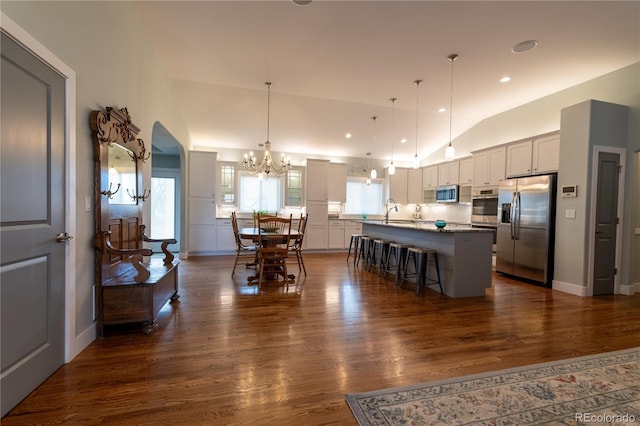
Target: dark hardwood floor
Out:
[229,354]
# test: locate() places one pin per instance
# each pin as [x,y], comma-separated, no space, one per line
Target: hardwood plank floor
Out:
[229,354]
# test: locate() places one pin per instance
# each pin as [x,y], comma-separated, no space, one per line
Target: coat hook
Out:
[145,195]
[132,194]
[144,155]
[109,193]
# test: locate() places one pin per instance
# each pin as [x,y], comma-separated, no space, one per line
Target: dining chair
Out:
[243,251]
[274,234]
[295,247]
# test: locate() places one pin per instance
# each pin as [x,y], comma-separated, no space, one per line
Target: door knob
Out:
[63,237]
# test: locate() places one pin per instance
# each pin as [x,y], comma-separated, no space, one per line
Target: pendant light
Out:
[392,167]
[450,152]
[416,160]
[368,166]
[374,173]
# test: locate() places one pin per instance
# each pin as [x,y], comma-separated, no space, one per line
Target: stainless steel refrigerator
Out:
[526,228]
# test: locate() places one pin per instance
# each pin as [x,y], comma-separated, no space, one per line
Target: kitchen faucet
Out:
[395,207]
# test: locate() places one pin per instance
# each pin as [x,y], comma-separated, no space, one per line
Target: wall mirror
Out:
[122,175]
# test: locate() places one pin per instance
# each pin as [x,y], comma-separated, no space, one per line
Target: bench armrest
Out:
[133,256]
[168,256]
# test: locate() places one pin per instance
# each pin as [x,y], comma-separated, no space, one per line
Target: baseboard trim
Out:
[575,289]
[82,340]
[630,289]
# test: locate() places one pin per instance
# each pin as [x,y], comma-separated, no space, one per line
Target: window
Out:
[227,184]
[163,208]
[259,194]
[362,198]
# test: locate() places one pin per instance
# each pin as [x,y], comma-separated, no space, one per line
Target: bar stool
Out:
[378,252]
[355,242]
[421,259]
[397,253]
[363,250]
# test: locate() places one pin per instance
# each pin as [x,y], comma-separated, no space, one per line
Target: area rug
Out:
[599,389]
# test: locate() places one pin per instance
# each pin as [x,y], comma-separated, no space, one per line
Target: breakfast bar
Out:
[464,253]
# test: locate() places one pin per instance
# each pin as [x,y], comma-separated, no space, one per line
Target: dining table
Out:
[254,234]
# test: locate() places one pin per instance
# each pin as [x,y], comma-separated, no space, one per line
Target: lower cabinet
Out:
[202,239]
[225,240]
[316,237]
[336,234]
[350,228]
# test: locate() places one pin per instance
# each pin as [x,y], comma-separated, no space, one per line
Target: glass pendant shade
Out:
[416,162]
[368,181]
[374,173]
[392,169]
[450,152]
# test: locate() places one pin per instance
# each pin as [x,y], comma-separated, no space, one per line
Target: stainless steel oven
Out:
[484,210]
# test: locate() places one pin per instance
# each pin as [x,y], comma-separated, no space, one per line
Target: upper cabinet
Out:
[532,157]
[337,182]
[489,167]
[466,172]
[227,177]
[294,187]
[397,186]
[202,174]
[448,173]
[430,177]
[317,180]
[414,186]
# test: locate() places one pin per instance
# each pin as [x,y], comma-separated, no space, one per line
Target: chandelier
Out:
[266,167]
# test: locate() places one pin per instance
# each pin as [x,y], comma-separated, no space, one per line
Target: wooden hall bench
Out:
[132,284]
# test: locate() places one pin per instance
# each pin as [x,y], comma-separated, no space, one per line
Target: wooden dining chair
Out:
[295,247]
[274,234]
[243,251]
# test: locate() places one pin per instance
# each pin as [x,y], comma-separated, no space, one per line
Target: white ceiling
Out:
[334,64]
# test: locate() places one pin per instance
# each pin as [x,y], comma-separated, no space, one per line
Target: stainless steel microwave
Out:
[447,194]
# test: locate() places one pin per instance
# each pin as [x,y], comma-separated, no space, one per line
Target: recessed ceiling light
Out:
[302,2]
[442,109]
[348,135]
[524,46]
[505,79]
[403,140]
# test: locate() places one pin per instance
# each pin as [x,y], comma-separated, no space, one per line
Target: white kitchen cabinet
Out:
[489,167]
[337,190]
[317,180]
[336,234]
[294,187]
[397,186]
[225,239]
[430,177]
[316,235]
[533,157]
[227,183]
[546,154]
[414,186]
[466,171]
[519,159]
[202,174]
[202,199]
[448,173]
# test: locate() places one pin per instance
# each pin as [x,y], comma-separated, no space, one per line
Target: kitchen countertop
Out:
[426,226]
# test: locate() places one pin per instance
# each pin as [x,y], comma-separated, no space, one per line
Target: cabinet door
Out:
[202,174]
[202,239]
[227,178]
[398,186]
[336,234]
[225,240]
[317,180]
[448,173]
[466,171]
[337,182]
[294,187]
[481,169]
[546,154]
[315,237]
[519,159]
[430,177]
[202,211]
[318,212]
[350,228]
[497,160]
[414,186]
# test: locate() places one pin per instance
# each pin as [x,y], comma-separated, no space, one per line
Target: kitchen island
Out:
[464,253]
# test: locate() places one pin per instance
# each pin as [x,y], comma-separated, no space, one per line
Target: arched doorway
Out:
[167,187]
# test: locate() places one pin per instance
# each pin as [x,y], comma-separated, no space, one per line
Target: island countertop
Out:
[464,253]
[424,226]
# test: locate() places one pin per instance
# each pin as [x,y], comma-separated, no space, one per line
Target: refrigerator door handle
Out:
[516,218]
[512,215]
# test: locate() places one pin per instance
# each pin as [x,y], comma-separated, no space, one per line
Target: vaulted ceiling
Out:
[335,64]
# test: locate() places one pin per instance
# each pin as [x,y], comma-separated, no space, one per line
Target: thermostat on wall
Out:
[569,191]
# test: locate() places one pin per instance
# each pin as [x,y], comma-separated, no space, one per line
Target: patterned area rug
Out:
[600,389]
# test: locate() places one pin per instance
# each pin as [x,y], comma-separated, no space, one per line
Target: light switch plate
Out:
[570,213]
[87,204]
